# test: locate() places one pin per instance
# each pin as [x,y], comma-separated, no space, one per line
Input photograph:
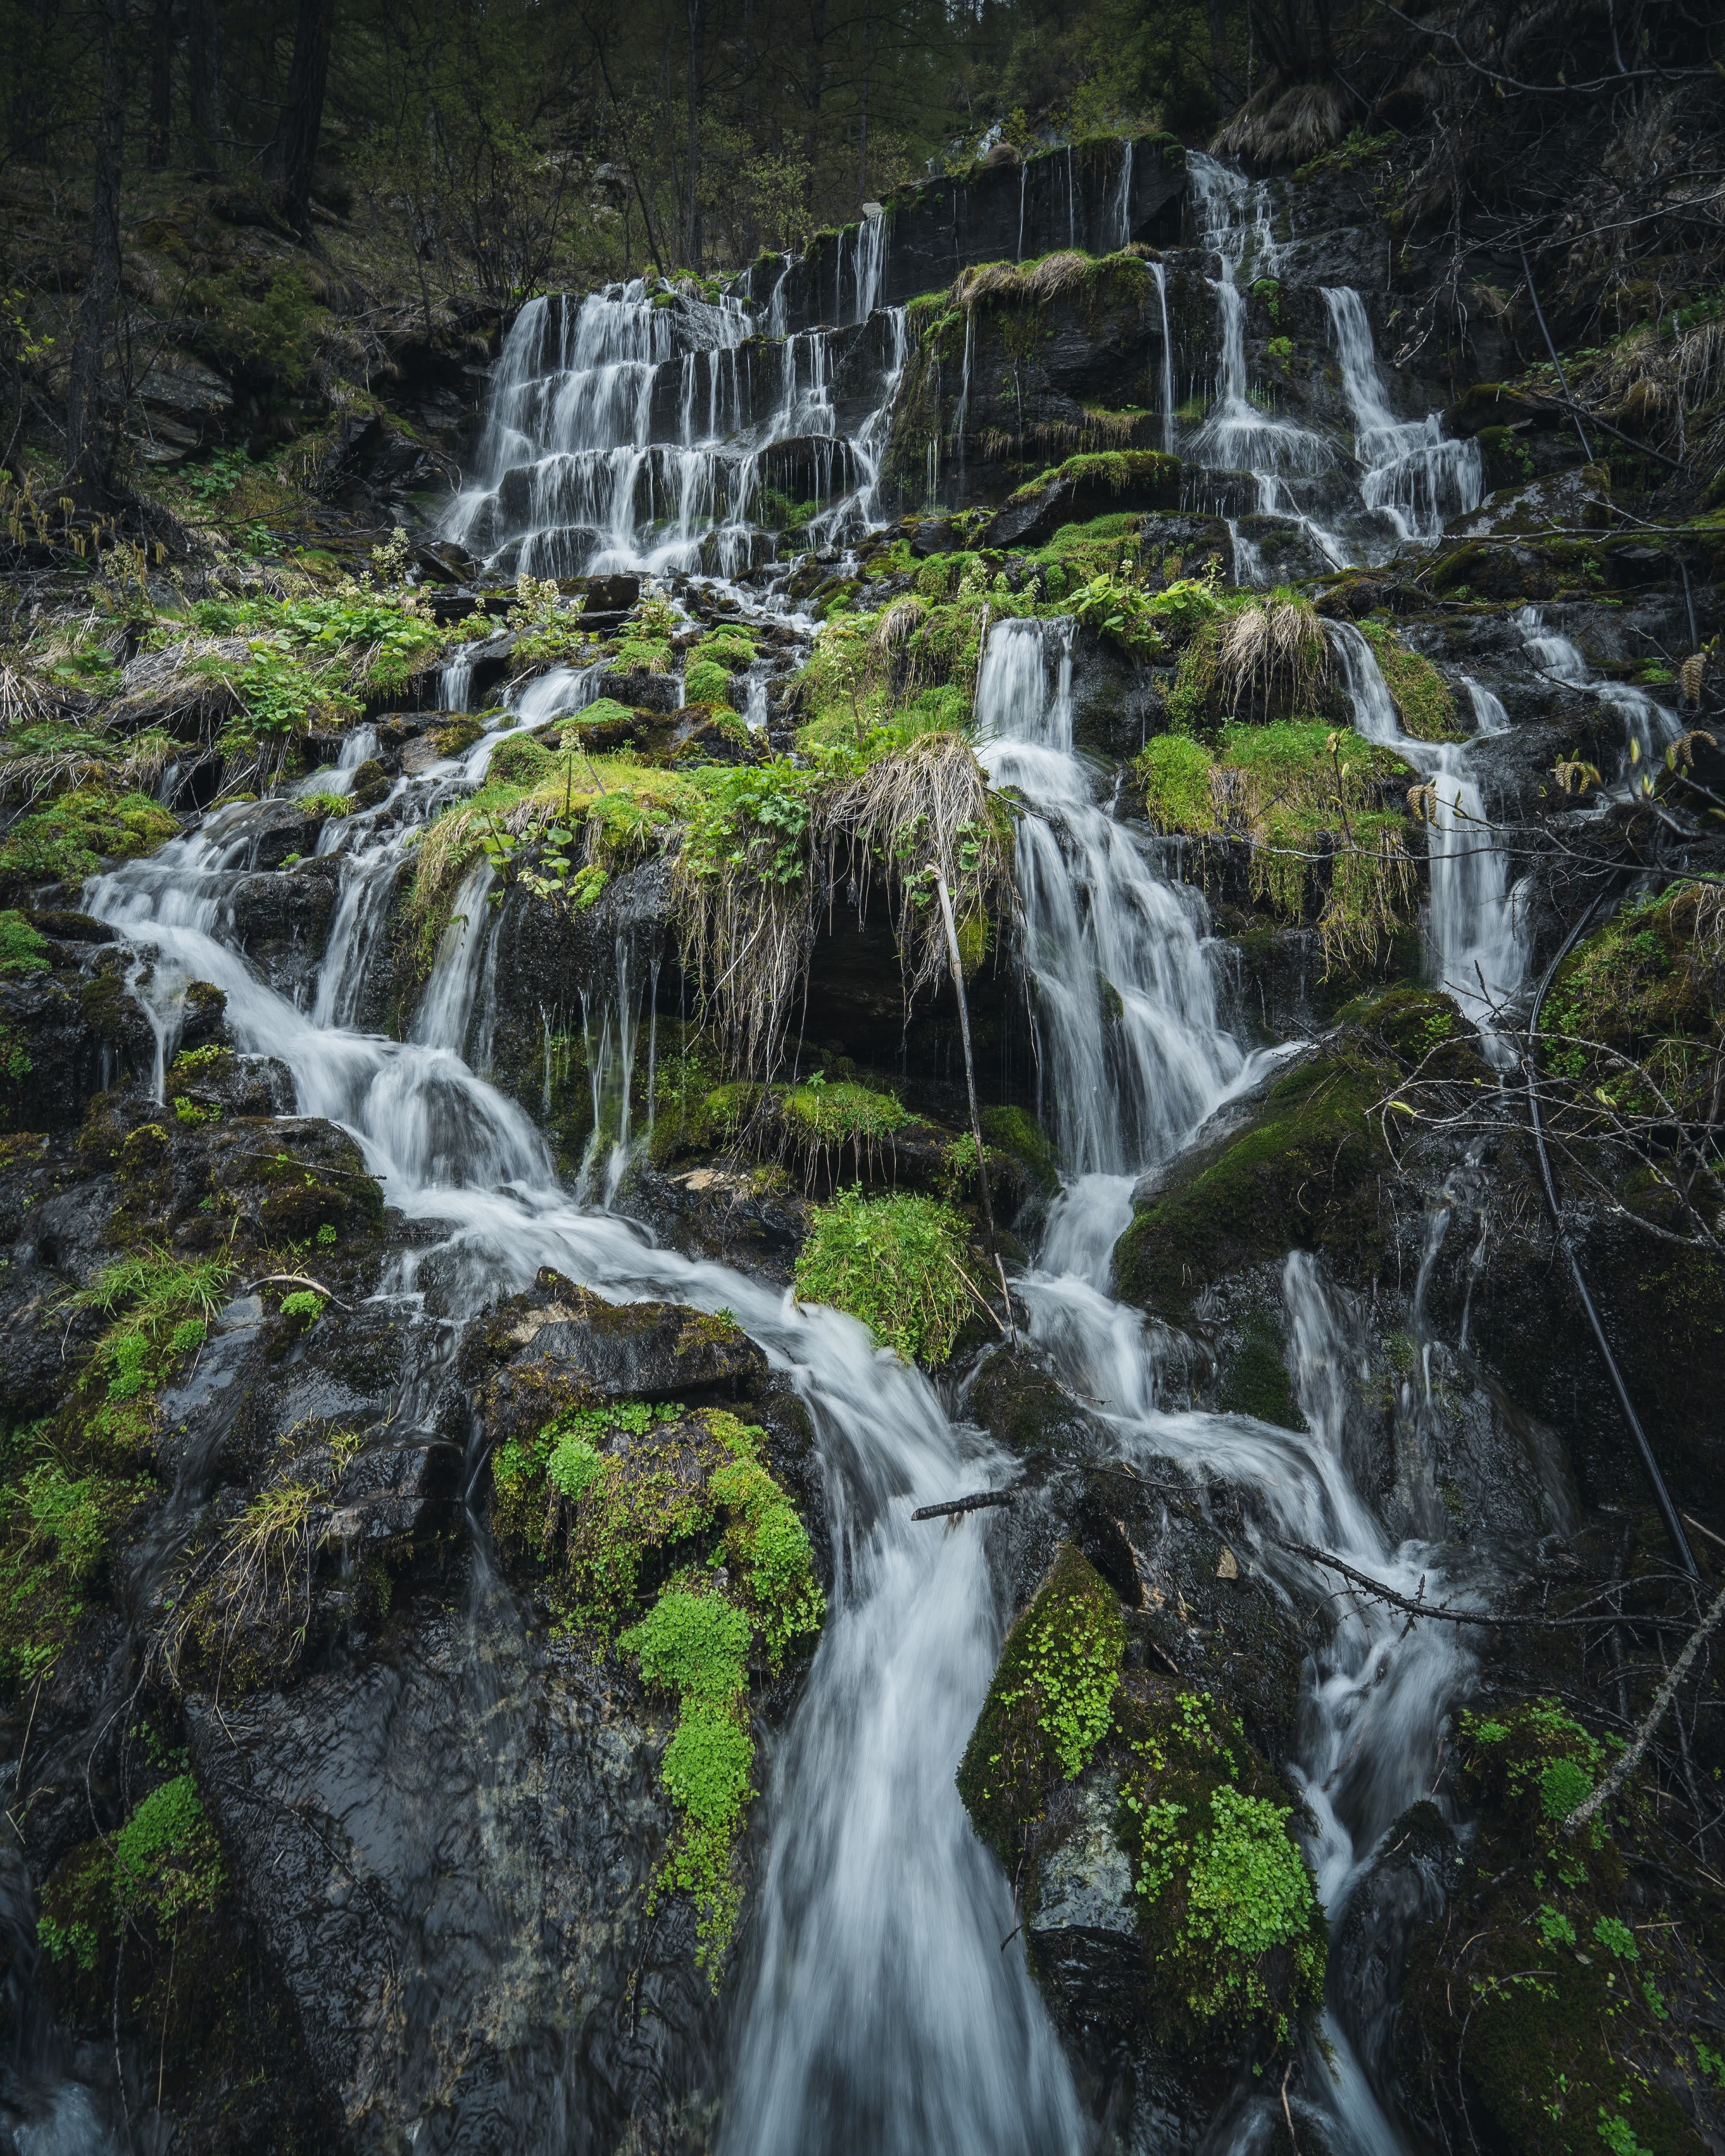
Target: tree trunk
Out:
[1221,73]
[697,34]
[203,81]
[88,436]
[862,127]
[161,85]
[293,152]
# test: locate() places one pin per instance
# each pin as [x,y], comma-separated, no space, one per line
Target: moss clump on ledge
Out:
[1235,1939]
[1048,1706]
[1112,469]
[1306,799]
[894,1262]
[1424,701]
[1302,1175]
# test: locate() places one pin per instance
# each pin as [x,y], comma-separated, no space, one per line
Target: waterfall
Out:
[1476,927]
[1158,274]
[1123,205]
[1282,457]
[1132,1057]
[1649,728]
[1412,474]
[635,430]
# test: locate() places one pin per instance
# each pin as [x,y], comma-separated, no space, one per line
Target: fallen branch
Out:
[1380,1593]
[294,1280]
[1626,1762]
[980,1501]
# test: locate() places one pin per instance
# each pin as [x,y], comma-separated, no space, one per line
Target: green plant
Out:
[21,945]
[893,1262]
[706,682]
[1048,1705]
[302,1303]
[167,1859]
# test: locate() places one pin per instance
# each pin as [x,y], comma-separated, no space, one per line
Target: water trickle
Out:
[1159,277]
[1649,728]
[1123,202]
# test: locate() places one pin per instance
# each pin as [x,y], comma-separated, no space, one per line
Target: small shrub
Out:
[167,1859]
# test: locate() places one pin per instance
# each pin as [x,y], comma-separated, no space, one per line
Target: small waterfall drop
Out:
[1412,474]
[1477,928]
[1133,1055]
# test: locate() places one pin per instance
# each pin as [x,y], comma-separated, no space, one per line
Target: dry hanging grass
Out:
[927,813]
[1290,125]
[1272,657]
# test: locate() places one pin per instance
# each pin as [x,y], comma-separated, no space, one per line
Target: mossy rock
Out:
[1423,1028]
[1022,1407]
[1302,1175]
[456,736]
[1254,1377]
[1017,1132]
[1424,701]
[1580,1988]
[1048,1705]
[522,760]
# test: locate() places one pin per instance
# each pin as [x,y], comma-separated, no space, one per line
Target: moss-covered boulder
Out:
[1302,1175]
[1049,1707]
[1591,2018]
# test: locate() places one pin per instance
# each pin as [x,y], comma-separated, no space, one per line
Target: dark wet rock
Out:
[64,1036]
[230,1083]
[641,691]
[397,1493]
[203,1021]
[567,1347]
[1075,500]
[280,921]
[446,1853]
[1023,1407]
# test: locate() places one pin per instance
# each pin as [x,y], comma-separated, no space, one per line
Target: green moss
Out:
[1569,2040]
[1424,701]
[1255,1378]
[58,1526]
[895,1263]
[1047,1708]
[166,1860]
[843,1113]
[1646,986]
[21,946]
[619,1497]
[1116,469]
[1235,1939]
[1017,1132]
[520,761]
[1295,790]
[705,681]
[71,838]
[1302,1175]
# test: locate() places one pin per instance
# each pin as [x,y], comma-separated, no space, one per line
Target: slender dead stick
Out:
[1626,1762]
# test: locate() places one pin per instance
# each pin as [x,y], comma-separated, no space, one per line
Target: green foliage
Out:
[754,822]
[895,1263]
[1048,1705]
[167,1859]
[302,1303]
[261,322]
[1234,1937]
[158,1305]
[337,805]
[1424,701]
[521,760]
[1116,470]
[1017,1132]
[21,945]
[691,1491]
[1647,990]
[841,1113]
[59,1525]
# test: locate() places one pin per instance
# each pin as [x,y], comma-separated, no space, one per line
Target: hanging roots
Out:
[924,813]
[1272,657]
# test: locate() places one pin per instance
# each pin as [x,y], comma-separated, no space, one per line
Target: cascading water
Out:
[1127,1015]
[1648,726]
[1412,474]
[640,431]
[1477,927]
